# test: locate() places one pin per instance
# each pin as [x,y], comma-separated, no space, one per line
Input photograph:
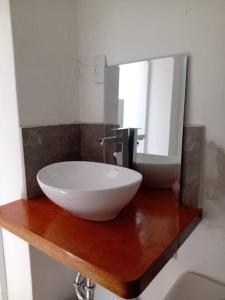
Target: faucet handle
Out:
[121,132]
[124,128]
[118,129]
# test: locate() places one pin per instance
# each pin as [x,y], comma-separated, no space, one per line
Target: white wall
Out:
[44,34]
[50,279]
[130,30]
[12,184]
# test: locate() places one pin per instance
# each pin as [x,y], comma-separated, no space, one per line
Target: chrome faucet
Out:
[125,137]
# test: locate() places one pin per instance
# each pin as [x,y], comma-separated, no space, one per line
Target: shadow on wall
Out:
[214,189]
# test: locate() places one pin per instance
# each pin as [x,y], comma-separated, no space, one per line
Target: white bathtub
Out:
[159,171]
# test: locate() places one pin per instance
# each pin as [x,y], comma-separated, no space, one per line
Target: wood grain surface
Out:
[122,255]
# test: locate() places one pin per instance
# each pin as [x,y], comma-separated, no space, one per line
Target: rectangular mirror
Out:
[150,95]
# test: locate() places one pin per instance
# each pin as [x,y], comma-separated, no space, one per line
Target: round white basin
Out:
[89,190]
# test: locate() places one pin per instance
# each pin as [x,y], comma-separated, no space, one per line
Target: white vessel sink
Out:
[89,190]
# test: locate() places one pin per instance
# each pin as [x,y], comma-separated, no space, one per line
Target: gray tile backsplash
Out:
[49,144]
[45,145]
[193,146]
[91,149]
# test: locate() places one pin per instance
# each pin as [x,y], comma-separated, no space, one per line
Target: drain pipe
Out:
[84,288]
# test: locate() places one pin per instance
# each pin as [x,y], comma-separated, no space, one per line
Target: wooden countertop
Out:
[122,255]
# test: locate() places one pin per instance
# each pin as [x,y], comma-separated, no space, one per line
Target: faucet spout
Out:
[107,139]
[111,139]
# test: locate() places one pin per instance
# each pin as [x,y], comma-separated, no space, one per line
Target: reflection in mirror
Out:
[149,95]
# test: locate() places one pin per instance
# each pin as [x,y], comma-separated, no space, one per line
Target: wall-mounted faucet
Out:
[127,137]
[121,137]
